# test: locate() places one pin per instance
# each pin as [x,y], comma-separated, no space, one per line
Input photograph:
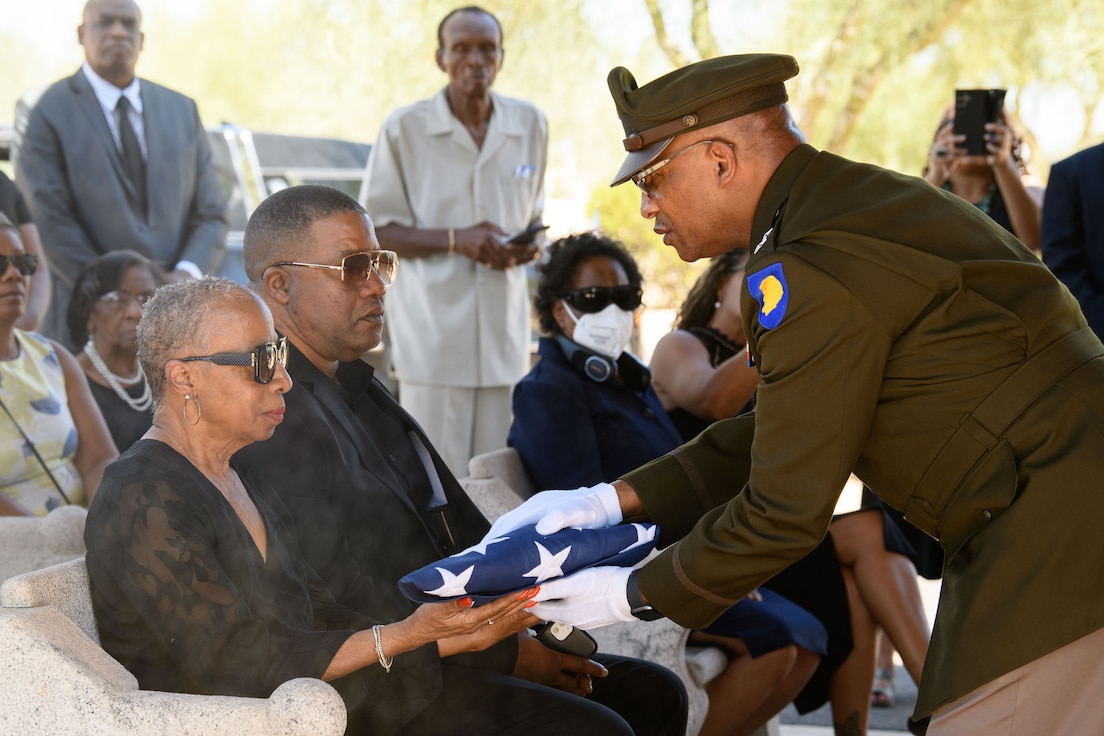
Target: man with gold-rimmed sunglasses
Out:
[359,266]
[373,499]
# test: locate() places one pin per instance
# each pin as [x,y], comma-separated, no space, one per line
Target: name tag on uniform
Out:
[525,171]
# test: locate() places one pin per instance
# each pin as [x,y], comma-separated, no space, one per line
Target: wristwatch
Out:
[639,607]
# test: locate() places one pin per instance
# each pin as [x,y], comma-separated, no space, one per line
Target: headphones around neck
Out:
[600,368]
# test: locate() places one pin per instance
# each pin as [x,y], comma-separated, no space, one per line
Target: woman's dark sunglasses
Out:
[358,267]
[263,358]
[25,263]
[596,298]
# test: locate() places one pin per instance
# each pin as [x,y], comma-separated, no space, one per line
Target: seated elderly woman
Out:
[103,315]
[702,375]
[586,413]
[54,444]
[197,581]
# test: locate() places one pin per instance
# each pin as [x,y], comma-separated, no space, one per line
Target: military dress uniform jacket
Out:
[903,336]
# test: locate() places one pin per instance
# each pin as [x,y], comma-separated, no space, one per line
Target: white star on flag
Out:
[549,566]
[481,548]
[644,534]
[495,567]
[454,585]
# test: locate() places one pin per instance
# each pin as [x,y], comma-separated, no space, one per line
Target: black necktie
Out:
[133,163]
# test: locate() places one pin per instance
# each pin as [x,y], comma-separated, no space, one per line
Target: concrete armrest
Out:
[68,686]
[33,542]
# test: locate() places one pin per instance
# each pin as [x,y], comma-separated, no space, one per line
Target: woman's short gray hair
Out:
[177,322]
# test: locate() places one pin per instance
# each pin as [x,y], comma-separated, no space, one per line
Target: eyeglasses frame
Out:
[113,300]
[250,359]
[640,178]
[374,254]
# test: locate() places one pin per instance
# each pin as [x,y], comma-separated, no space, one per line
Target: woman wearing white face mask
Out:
[587,413]
[587,401]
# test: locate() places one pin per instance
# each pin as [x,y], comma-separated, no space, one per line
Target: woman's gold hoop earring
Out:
[199,409]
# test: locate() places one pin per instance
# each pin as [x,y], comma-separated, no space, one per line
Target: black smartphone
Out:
[526,236]
[565,638]
[973,109]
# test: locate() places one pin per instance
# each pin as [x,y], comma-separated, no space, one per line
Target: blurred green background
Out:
[876,74]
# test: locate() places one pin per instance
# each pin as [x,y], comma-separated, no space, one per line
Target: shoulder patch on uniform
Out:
[768,287]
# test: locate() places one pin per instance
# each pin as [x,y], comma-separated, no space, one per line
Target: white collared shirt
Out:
[454,322]
[108,96]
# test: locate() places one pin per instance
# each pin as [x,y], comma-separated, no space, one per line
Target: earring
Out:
[717,304]
[199,409]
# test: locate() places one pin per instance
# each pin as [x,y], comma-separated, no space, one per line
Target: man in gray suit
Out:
[109,161]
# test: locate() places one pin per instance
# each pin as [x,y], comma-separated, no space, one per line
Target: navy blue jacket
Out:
[572,431]
[1073,230]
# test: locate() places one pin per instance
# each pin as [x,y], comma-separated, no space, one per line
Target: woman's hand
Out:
[435,621]
[944,150]
[487,634]
[1024,211]
[998,141]
[430,622]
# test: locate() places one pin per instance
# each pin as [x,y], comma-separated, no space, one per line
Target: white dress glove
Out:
[584,508]
[588,599]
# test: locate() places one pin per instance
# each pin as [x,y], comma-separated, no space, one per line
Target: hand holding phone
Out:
[974,108]
[526,236]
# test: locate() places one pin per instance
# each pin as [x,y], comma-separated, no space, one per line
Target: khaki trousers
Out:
[1060,693]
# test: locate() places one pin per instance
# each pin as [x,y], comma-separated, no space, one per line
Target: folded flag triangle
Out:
[523,558]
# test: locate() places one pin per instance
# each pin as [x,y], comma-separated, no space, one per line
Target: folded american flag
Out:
[523,558]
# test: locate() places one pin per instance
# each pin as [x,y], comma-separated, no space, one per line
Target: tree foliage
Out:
[876,75]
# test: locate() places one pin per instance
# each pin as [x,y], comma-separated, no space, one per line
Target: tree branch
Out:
[672,51]
[701,31]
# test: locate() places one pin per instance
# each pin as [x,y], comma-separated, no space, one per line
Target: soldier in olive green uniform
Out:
[901,336]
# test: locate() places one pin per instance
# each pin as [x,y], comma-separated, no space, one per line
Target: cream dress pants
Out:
[460,422]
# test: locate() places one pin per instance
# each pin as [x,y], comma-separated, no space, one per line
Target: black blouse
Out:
[182,596]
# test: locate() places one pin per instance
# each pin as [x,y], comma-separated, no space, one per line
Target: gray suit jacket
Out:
[71,173]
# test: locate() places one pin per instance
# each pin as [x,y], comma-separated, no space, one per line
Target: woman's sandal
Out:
[881,695]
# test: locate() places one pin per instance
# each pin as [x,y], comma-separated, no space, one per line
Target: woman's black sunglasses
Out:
[596,298]
[263,358]
[25,263]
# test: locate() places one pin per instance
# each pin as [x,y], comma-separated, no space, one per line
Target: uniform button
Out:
[987,514]
[392,458]
[649,414]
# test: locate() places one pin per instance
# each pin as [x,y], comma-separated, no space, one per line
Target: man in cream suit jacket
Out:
[109,161]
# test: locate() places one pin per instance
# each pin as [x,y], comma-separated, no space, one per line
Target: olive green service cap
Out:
[696,96]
